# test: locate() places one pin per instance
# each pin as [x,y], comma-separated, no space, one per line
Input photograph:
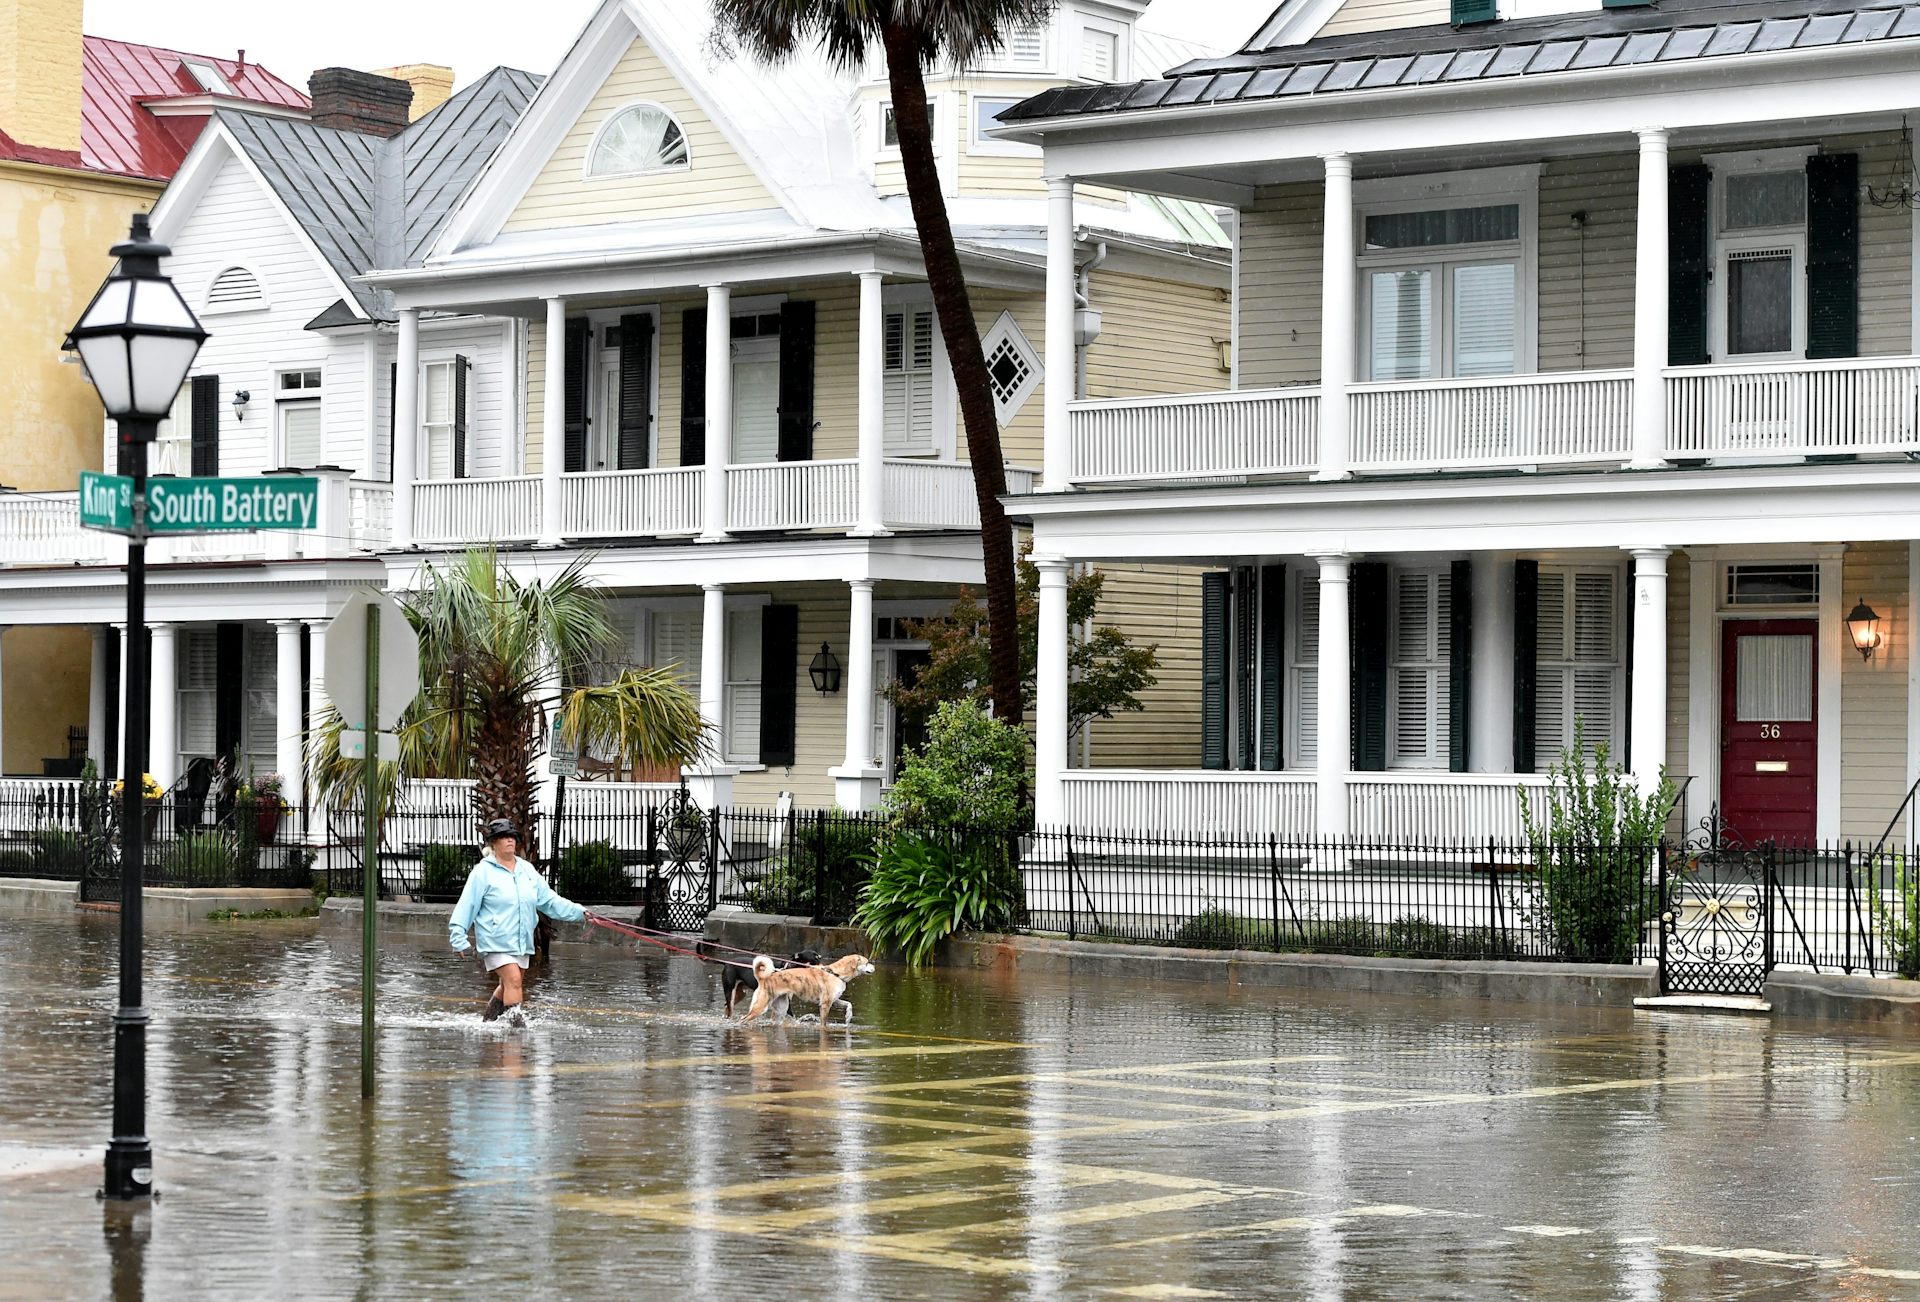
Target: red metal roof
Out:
[118,135]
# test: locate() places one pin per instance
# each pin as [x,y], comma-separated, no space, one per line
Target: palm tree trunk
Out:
[503,773]
[962,334]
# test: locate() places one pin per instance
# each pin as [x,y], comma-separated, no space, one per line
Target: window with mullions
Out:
[1773,585]
[297,398]
[1443,292]
[638,139]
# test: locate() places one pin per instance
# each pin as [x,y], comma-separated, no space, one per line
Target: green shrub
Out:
[205,858]
[58,853]
[1218,928]
[444,869]
[591,872]
[971,773]
[1901,925]
[19,863]
[841,861]
[1352,934]
[924,890]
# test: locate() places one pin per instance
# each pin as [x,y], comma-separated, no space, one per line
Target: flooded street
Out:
[967,1137]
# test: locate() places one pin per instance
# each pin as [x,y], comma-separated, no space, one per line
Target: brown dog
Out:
[813,985]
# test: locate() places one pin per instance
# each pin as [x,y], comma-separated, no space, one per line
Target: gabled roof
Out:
[1676,31]
[119,135]
[368,202]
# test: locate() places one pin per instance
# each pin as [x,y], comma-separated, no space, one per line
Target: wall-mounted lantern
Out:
[240,400]
[825,672]
[1863,630]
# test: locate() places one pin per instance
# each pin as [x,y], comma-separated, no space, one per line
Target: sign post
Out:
[370,860]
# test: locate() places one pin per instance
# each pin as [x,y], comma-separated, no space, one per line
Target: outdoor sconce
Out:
[240,400]
[1225,347]
[1863,628]
[825,672]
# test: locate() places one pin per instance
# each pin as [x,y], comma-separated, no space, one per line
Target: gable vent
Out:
[235,290]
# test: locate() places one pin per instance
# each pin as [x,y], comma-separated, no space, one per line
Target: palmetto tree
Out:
[914,35]
[500,657]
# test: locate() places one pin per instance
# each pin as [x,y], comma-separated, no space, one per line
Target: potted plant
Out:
[150,794]
[264,795]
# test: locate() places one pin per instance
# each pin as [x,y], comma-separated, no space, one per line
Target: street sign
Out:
[563,758]
[346,660]
[185,506]
[106,502]
[353,746]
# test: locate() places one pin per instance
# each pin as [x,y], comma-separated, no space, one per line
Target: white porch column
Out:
[1056,459]
[713,518]
[317,698]
[406,424]
[553,422]
[163,744]
[1650,290]
[1490,709]
[97,699]
[711,780]
[1703,684]
[1336,318]
[1648,750]
[1334,688]
[873,409]
[856,783]
[3,699]
[1050,697]
[289,728]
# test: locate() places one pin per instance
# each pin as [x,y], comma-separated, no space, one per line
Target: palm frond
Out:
[957,32]
[646,717]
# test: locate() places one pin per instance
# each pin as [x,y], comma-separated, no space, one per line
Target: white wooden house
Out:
[1574,381]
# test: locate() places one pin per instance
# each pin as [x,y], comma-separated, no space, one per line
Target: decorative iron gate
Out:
[683,860]
[1716,919]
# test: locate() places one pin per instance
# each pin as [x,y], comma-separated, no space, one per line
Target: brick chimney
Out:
[349,100]
[432,84]
[40,72]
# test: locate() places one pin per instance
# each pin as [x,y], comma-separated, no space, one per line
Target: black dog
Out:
[739,981]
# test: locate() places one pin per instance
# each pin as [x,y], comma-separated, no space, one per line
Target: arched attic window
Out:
[638,138]
[237,289]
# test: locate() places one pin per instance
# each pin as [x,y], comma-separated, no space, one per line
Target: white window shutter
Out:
[676,645]
[197,672]
[263,705]
[1306,673]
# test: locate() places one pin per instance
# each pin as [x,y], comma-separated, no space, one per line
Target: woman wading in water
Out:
[501,905]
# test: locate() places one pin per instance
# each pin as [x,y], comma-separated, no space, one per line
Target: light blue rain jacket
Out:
[499,905]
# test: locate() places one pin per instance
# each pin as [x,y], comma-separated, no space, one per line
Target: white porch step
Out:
[1702,1004]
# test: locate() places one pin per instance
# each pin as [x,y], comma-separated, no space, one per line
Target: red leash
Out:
[657,938]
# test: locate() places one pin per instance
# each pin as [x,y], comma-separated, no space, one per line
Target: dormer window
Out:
[1099,54]
[638,139]
[1025,48]
[209,77]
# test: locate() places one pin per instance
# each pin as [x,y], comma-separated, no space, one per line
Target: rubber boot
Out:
[494,1008]
[515,1018]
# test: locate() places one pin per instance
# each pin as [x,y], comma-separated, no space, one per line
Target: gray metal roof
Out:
[1611,38]
[370,203]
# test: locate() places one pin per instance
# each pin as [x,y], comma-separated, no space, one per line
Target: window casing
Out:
[1579,673]
[1760,260]
[910,376]
[436,420]
[986,110]
[890,130]
[637,140]
[1419,669]
[1763,584]
[297,400]
[172,452]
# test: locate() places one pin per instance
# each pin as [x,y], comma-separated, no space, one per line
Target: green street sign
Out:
[106,502]
[183,506]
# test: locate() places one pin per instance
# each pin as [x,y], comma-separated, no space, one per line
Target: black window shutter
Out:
[1633,601]
[693,387]
[1371,611]
[1474,11]
[1833,255]
[636,390]
[573,368]
[1246,631]
[1215,612]
[779,669]
[229,693]
[1460,667]
[796,381]
[1526,655]
[393,400]
[1273,609]
[1689,260]
[460,366]
[206,425]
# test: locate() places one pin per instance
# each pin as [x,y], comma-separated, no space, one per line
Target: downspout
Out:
[1083,300]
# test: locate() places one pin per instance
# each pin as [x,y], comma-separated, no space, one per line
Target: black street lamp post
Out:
[137,339]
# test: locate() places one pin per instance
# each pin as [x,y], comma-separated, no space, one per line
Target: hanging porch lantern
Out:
[825,671]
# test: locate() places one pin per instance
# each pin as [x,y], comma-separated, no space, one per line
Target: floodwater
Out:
[968,1137]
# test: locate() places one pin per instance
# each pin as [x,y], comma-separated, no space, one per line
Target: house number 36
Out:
[1770,731]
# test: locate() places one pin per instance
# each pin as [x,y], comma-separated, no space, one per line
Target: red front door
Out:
[1769,702]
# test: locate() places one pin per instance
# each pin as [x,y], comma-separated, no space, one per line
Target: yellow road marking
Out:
[942,1125]
[1095,1215]
[728,1059]
[1321,1221]
[910,1202]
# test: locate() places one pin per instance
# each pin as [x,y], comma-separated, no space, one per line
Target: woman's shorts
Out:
[501,960]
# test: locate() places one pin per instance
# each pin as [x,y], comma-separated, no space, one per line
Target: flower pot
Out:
[150,819]
[267,821]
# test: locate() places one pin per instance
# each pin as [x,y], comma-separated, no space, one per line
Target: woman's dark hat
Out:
[500,827]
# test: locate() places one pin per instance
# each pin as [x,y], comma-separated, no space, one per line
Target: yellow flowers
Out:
[149,787]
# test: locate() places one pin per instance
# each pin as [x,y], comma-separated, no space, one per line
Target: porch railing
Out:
[1413,808]
[1196,436]
[44,529]
[369,515]
[793,495]
[938,494]
[630,503]
[1145,800]
[1508,420]
[1866,404]
[459,511]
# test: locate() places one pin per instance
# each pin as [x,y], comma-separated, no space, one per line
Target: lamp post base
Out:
[129,1157]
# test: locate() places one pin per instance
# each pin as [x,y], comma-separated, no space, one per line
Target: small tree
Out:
[1900,922]
[972,773]
[1593,846]
[1105,672]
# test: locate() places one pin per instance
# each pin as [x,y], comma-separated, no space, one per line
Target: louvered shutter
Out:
[1215,635]
[693,387]
[1689,261]
[1593,691]
[1412,677]
[263,700]
[908,366]
[1246,632]
[796,381]
[1460,666]
[1466,12]
[206,425]
[230,701]
[1306,673]
[675,645]
[1833,255]
[779,671]
[1553,723]
[197,675]
[573,371]
[1526,643]
[460,368]
[1273,610]
[636,389]
[1370,604]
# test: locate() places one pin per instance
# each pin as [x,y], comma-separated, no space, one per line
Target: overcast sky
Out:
[471,36]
